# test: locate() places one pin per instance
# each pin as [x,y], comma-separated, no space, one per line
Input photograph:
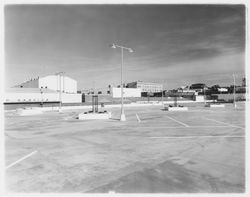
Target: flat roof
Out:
[146,82]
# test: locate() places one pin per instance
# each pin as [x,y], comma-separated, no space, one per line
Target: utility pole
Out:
[93,87]
[204,95]
[60,93]
[123,118]
[41,91]
[60,90]
[234,92]
[162,94]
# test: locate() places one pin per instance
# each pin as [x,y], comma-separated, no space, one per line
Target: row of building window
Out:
[151,90]
[19,100]
[41,87]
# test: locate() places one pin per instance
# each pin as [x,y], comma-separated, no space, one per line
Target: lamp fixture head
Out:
[131,50]
[113,46]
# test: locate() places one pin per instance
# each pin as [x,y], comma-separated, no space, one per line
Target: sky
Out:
[173,44]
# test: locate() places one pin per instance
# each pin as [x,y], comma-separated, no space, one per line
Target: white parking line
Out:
[19,160]
[225,123]
[204,136]
[180,127]
[138,119]
[178,121]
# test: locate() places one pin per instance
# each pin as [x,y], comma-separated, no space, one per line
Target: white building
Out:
[52,82]
[222,90]
[45,89]
[146,86]
[34,95]
[199,98]
[127,92]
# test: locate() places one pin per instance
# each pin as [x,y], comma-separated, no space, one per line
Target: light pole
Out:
[60,90]
[162,93]
[234,92]
[114,46]
[204,95]
[41,91]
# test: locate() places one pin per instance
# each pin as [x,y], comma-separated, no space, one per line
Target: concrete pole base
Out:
[123,117]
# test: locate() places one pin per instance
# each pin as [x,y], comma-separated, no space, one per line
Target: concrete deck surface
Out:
[201,150]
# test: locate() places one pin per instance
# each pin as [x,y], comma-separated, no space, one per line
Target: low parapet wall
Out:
[134,104]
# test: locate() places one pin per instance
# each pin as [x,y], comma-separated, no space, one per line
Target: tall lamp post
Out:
[60,90]
[234,92]
[114,46]
[41,91]
[162,92]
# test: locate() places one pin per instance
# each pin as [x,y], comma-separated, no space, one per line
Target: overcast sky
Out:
[178,44]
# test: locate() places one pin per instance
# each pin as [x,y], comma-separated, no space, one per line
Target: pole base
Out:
[123,117]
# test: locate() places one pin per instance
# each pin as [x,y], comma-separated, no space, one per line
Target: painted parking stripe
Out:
[204,136]
[180,127]
[19,160]
[225,123]
[178,121]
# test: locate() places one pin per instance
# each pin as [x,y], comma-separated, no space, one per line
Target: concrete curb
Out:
[138,104]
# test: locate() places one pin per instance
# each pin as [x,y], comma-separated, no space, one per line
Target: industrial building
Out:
[52,82]
[48,89]
[36,95]
[148,87]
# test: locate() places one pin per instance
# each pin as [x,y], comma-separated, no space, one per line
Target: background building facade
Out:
[127,92]
[52,82]
[36,95]
[146,86]
[44,89]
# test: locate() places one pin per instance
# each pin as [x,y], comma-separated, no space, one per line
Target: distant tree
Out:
[231,89]
[244,82]
[215,87]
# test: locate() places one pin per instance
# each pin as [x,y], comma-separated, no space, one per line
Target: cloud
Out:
[175,42]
